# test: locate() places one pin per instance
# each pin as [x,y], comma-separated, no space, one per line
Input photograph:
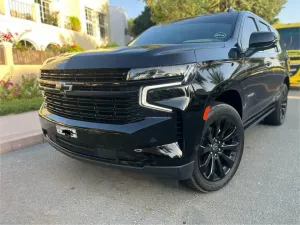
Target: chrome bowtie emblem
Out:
[63,87]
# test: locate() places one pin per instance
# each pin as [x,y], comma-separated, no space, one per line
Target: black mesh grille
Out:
[110,100]
[116,110]
[103,75]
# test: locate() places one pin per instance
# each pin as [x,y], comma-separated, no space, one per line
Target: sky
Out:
[289,14]
[133,8]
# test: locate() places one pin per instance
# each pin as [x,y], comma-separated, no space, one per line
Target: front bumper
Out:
[174,172]
[130,146]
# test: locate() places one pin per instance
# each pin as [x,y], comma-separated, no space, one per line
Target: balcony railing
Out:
[20,10]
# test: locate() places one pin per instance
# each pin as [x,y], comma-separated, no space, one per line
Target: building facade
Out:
[119,25]
[49,22]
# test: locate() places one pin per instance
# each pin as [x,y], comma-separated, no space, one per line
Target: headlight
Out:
[161,72]
[186,72]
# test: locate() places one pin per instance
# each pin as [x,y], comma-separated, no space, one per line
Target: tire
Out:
[277,117]
[220,149]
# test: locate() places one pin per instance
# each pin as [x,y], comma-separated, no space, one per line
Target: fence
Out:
[31,57]
[20,10]
[2,59]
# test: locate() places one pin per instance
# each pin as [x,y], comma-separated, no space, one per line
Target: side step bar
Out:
[259,117]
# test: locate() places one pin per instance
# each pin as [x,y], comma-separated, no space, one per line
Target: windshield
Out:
[209,28]
[290,38]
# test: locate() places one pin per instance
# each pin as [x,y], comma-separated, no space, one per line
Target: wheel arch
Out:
[230,93]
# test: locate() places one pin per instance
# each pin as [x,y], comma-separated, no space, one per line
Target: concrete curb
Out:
[18,141]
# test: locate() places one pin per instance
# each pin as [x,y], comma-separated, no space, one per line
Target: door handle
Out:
[268,63]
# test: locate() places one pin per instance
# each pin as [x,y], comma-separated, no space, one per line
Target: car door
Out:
[277,58]
[256,83]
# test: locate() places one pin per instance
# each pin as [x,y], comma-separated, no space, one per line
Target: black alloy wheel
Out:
[277,117]
[218,150]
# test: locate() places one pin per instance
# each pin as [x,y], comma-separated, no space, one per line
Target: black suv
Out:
[175,102]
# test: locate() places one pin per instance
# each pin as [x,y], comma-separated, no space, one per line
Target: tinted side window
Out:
[248,28]
[263,27]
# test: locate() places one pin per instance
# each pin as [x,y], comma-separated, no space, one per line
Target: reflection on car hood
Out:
[131,57]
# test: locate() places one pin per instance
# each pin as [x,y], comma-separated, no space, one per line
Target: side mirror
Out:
[260,41]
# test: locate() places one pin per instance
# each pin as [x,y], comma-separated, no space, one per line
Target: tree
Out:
[141,23]
[131,27]
[276,21]
[169,10]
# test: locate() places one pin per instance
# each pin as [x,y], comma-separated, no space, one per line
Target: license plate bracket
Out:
[66,131]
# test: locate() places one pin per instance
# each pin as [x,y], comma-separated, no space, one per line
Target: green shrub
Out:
[53,48]
[27,89]
[109,45]
[75,23]
[51,18]
[70,48]
[14,38]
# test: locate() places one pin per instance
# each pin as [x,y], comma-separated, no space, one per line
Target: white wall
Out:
[118,25]
[97,6]
[44,34]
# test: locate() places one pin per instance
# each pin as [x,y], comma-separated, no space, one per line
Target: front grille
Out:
[117,110]
[102,96]
[103,75]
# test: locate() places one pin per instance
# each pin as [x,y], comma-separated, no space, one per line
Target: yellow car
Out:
[290,40]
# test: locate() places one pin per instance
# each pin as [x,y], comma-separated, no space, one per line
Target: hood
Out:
[131,57]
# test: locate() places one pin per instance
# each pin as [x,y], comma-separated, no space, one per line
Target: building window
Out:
[45,10]
[89,21]
[27,45]
[103,25]
[68,23]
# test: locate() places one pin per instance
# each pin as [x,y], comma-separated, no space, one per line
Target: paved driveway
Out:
[40,185]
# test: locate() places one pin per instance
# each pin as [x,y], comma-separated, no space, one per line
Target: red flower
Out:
[10,84]
[15,92]
[16,33]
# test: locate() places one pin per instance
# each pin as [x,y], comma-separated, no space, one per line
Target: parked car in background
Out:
[290,41]
[175,102]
